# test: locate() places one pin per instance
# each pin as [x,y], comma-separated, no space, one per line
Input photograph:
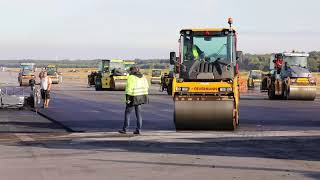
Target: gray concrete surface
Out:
[276,140]
[102,156]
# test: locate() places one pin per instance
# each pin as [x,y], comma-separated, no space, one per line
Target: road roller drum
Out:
[119,84]
[302,92]
[204,114]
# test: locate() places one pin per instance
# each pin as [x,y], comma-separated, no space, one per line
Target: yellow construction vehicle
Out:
[156,76]
[166,83]
[289,77]
[205,87]
[128,64]
[27,72]
[111,76]
[52,71]
[254,79]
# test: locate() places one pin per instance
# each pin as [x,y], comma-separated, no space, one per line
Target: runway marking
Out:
[160,136]
[24,138]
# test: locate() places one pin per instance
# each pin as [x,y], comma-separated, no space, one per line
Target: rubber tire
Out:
[271,94]
[169,90]
[285,93]
[98,88]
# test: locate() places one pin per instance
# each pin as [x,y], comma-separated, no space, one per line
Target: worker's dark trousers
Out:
[128,111]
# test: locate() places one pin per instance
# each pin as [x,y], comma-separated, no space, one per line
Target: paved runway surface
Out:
[276,140]
[83,109]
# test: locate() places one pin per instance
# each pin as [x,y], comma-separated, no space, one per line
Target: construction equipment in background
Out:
[111,76]
[91,78]
[254,79]
[205,88]
[156,76]
[26,73]
[128,64]
[166,82]
[289,77]
[52,71]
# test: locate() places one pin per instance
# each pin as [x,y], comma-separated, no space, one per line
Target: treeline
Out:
[153,63]
[59,63]
[250,61]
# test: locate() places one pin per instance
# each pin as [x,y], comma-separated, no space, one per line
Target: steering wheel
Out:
[221,62]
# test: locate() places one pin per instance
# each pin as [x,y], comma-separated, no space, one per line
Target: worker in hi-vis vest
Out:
[192,50]
[136,94]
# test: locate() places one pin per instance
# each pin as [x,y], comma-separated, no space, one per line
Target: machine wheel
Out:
[205,115]
[285,92]
[236,117]
[306,93]
[169,88]
[271,93]
[117,85]
[98,88]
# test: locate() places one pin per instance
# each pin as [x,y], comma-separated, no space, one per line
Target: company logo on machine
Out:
[207,89]
[302,80]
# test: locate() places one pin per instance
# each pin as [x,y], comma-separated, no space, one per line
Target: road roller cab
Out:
[112,75]
[290,77]
[52,71]
[128,64]
[26,73]
[205,88]
[156,76]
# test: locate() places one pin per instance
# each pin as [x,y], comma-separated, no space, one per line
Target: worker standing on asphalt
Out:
[136,95]
[45,84]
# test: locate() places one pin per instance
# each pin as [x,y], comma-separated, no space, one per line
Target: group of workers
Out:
[45,87]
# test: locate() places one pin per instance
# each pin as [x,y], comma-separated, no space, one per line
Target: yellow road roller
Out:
[26,73]
[289,77]
[52,71]
[205,86]
[111,76]
[128,64]
[156,76]
[254,79]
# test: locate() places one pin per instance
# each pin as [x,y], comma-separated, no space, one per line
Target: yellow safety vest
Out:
[137,86]
[195,52]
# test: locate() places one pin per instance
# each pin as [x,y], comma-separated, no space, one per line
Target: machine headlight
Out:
[182,89]
[312,80]
[179,80]
[225,89]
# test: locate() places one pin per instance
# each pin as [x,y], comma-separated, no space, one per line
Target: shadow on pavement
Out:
[29,127]
[290,148]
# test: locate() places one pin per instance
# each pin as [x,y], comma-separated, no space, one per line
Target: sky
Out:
[129,29]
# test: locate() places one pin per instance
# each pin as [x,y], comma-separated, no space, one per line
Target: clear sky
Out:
[88,29]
